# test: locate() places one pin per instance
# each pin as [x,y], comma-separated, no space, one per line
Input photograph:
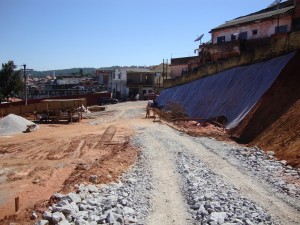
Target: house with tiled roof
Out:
[250,31]
[264,23]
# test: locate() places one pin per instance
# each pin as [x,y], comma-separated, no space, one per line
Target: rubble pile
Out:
[218,202]
[283,178]
[125,202]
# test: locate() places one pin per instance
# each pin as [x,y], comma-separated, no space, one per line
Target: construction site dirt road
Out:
[185,171]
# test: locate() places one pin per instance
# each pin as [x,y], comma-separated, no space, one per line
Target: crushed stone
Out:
[12,123]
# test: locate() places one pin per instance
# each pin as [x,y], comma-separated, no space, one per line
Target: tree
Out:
[10,80]
[81,72]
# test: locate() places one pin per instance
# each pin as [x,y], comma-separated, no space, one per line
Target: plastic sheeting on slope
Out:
[231,93]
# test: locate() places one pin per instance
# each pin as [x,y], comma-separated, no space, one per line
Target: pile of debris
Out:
[173,111]
[12,123]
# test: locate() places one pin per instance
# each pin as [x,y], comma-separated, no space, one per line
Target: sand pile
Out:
[13,124]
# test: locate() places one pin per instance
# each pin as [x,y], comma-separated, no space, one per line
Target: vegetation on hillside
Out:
[65,72]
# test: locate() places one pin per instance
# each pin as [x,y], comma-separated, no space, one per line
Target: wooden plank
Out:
[189,119]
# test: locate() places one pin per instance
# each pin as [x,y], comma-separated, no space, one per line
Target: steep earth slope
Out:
[273,124]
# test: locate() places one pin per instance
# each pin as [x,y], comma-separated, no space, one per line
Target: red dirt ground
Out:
[52,160]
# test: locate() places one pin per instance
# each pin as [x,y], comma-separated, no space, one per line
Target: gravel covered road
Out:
[179,179]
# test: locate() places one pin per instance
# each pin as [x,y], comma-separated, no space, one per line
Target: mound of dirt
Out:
[13,124]
[273,124]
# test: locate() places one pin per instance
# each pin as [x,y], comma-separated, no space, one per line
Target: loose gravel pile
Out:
[283,179]
[212,200]
[125,202]
[13,124]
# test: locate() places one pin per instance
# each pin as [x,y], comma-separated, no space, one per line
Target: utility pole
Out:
[167,69]
[25,81]
[163,73]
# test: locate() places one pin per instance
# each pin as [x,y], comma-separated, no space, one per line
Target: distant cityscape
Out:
[122,82]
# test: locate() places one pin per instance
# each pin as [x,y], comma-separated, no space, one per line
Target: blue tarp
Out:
[231,93]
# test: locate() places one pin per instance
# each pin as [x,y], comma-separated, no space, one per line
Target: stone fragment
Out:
[195,206]
[93,179]
[110,218]
[129,219]
[131,180]
[283,162]
[42,222]
[58,196]
[64,222]
[57,217]
[112,200]
[47,215]
[291,187]
[73,197]
[218,217]
[248,222]
[124,202]
[208,196]
[62,203]
[33,216]
[92,188]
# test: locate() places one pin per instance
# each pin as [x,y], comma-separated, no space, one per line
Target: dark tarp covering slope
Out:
[231,93]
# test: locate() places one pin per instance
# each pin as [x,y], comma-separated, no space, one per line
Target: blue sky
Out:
[61,34]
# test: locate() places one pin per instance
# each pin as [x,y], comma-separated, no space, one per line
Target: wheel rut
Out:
[168,203]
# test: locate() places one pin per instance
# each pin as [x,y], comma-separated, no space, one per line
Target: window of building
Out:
[119,76]
[281,29]
[254,32]
[221,39]
[233,37]
[243,35]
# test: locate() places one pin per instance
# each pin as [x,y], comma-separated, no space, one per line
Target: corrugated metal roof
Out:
[135,70]
[254,17]
[139,70]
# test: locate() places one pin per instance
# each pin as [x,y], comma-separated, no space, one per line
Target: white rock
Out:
[218,217]
[42,222]
[128,210]
[57,217]
[74,197]
[63,222]
[58,195]
[47,215]
[92,188]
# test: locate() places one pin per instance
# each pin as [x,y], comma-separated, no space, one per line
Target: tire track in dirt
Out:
[168,204]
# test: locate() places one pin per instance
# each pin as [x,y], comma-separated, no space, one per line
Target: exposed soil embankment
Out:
[274,124]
